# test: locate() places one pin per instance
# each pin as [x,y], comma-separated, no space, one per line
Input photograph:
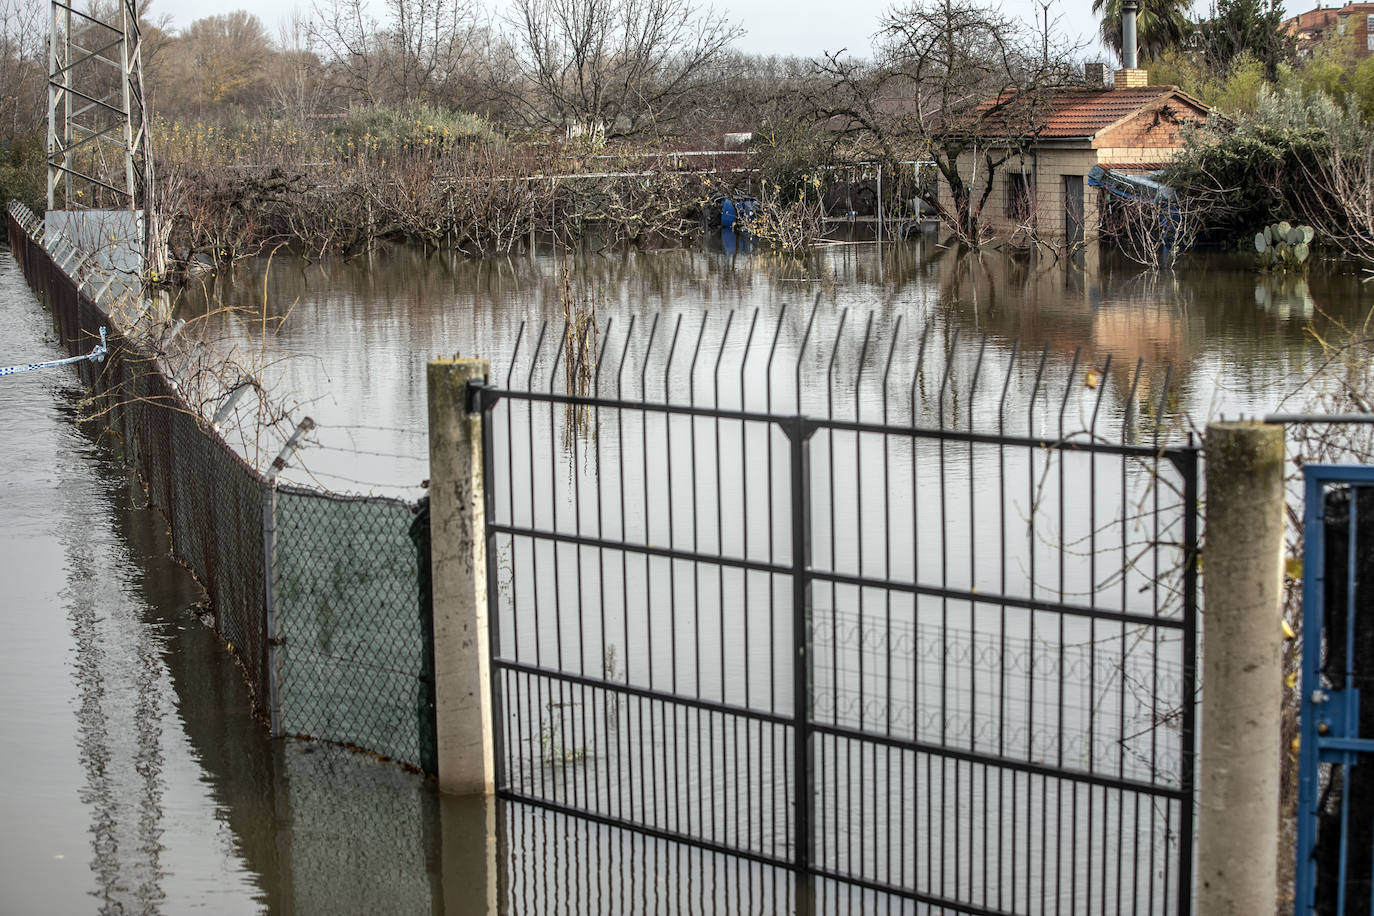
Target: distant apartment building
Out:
[1354,22]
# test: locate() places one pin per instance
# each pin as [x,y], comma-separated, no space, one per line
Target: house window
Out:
[1020,198]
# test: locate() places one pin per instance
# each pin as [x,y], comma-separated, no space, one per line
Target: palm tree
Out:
[1160,24]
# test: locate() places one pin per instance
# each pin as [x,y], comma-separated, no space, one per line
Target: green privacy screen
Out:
[356,644]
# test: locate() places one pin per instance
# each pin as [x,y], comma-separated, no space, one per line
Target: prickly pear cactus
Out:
[1283,247]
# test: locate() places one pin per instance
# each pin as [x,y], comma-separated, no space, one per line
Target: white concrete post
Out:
[1242,671]
[458,561]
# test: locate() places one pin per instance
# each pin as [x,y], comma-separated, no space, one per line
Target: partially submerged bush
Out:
[787,218]
[1257,167]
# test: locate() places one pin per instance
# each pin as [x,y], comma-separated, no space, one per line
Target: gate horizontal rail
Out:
[935,591]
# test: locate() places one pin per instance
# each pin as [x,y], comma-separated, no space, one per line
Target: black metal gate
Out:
[817,605]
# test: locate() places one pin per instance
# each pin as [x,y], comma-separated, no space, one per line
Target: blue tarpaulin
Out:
[1130,185]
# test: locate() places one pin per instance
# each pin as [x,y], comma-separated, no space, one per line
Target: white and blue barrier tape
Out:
[97,355]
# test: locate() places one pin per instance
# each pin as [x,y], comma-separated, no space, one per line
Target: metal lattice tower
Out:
[98,157]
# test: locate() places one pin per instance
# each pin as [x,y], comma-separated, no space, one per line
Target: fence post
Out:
[1242,670]
[272,655]
[458,544]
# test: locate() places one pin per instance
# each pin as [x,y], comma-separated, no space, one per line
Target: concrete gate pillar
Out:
[458,560]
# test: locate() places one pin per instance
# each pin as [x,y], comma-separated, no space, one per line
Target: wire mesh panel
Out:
[916,618]
[356,641]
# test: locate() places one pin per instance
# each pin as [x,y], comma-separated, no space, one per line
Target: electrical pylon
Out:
[98,157]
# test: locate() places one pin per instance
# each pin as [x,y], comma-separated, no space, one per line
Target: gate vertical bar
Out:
[1313,600]
[1187,465]
[799,432]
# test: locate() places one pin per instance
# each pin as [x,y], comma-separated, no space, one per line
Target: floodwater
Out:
[346,341]
[136,779]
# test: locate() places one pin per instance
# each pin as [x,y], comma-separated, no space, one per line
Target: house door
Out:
[1073,208]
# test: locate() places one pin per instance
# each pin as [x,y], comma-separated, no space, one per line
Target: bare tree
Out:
[617,66]
[425,39]
[957,83]
[418,47]
[1154,231]
[1341,205]
[348,36]
[296,80]
[22,50]
[227,57]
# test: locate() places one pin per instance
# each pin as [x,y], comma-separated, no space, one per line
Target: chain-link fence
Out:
[347,656]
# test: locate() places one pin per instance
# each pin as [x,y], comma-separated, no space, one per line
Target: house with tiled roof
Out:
[1042,189]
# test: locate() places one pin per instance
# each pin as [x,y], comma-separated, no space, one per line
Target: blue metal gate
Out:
[1335,855]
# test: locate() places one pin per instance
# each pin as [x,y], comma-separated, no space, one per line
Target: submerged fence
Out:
[320,595]
[876,618]
[907,616]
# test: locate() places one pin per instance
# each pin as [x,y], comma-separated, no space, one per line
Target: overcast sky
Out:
[800,27]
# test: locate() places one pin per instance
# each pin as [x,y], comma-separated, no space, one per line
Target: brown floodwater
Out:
[348,340]
[136,780]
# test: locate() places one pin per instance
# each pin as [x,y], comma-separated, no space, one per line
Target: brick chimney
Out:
[1131,78]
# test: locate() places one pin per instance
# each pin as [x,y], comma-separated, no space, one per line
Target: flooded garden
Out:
[188,801]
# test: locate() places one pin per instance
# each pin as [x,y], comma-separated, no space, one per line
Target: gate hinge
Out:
[477,398]
[1338,725]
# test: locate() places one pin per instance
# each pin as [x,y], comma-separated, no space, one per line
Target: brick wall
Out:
[1160,127]
[1045,170]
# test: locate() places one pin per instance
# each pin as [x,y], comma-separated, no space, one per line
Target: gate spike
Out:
[801,350]
[720,355]
[1102,386]
[920,364]
[830,369]
[672,351]
[891,349]
[696,352]
[748,347]
[1068,387]
[519,339]
[624,352]
[648,352]
[863,358]
[1006,386]
[768,368]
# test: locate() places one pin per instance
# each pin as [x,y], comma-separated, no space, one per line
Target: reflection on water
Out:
[357,333]
[116,815]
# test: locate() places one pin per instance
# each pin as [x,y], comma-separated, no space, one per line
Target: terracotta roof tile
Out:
[1072,112]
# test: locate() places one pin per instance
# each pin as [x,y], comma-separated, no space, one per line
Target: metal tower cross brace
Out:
[98,157]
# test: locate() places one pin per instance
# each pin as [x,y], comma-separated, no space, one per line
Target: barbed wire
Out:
[316,443]
[372,485]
